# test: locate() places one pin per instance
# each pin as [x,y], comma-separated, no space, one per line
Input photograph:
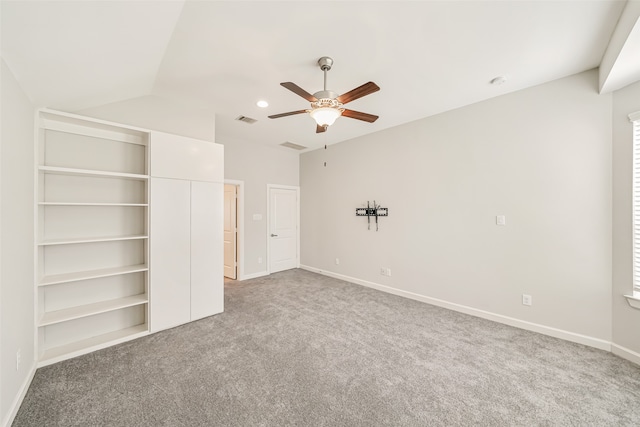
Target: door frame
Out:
[268,234]
[239,227]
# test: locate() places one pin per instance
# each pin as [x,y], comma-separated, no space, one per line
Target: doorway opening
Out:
[233,230]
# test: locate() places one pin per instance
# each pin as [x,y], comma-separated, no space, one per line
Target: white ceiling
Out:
[427,56]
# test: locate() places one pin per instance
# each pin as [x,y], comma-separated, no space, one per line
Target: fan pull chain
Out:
[325,153]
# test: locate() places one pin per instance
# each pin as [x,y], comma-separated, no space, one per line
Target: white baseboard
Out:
[15,405]
[625,353]
[529,326]
[253,275]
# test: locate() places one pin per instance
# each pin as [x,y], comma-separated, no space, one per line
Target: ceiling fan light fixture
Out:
[325,111]
[326,105]
[325,116]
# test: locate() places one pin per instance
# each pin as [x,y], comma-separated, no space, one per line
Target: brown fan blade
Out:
[358,92]
[320,129]
[290,113]
[299,91]
[359,116]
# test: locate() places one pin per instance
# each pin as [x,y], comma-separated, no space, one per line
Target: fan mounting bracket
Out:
[325,63]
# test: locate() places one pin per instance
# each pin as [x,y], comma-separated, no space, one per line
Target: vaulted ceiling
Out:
[223,56]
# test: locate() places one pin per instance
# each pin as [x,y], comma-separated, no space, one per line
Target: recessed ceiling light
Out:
[498,80]
[262,104]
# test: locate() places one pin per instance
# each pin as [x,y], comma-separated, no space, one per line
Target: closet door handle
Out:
[274,235]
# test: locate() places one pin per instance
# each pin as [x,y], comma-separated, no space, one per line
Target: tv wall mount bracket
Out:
[374,210]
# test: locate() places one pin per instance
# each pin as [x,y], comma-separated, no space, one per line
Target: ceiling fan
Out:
[326,105]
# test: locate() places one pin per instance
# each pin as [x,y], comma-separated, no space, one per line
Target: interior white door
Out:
[230,231]
[283,229]
[170,265]
[207,285]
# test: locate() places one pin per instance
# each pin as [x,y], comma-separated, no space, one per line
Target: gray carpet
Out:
[296,348]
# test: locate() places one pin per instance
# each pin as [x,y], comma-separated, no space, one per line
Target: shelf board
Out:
[90,240]
[90,172]
[88,345]
[91,274]
[91,309]
[91,204]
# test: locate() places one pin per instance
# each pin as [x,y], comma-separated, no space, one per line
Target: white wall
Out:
[625,318]
[157,113]
[540,156]
[257,166]
[17,251]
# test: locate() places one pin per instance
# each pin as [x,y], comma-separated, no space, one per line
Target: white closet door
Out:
[207,270]
[174,156]
[170,253]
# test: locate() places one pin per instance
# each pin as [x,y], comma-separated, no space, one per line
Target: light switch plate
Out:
[501,220]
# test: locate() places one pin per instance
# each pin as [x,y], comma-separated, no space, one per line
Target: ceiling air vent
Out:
[246,119]
[294,146]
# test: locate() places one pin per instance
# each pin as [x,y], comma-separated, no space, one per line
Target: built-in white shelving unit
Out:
[92,202]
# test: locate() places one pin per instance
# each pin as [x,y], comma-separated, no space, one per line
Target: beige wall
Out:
[257,165]
[540,156]
[625,318]
[16,266]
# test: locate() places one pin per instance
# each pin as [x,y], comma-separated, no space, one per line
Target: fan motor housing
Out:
[326,94]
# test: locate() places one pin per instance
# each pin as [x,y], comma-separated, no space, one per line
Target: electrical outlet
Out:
[337,261]
[259,260]
[18,360]
[383,271]
[526,299]
[389,272]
